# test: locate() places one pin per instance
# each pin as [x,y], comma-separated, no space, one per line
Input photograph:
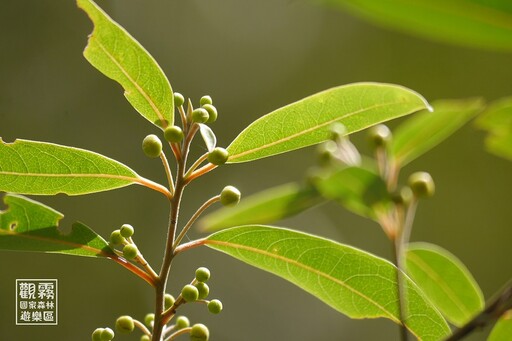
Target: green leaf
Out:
[497,120]
[40,168]
[208,136]
[353,282]
[263,207]
[308,121]
[120,57]
[28,225]
[475,23]
[426,130]
[358,189]
[445,281]
[503,328]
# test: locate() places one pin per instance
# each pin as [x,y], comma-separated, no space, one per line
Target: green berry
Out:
[107,334]
[202,274]
[200,115]
[149,319]
[215,306]
[116,238]
[173,134]
[127,230]
[203,290]
[190,293]
[205,100]
[96,334]
[379,135]
[145,338]
[422,184]
[230,196]
[218,156]
[178,99]
[130,251]
[125,325]
[199,332]
[169,301]
[403,196]
[182,322]
[212,112]
[152,146]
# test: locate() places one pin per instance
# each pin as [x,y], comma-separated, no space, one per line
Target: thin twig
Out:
[168,172]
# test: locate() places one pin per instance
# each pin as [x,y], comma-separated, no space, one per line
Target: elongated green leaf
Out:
[445,281]
[263,207]
[476,23]
[40,168]
[120,57]
[28,225]
[426,130]
[358,189]
[351,281]
[497,120]
[308,121]
[503,328]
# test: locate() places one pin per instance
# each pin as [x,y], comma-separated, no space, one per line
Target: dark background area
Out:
[251,57]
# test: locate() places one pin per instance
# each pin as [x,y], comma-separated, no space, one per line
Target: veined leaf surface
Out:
[308,121]
[27,225]
[445,281]
[115,53]
[353,282]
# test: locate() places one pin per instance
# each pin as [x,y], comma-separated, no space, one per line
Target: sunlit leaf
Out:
[353,282]
[503,328]
[263,207]
[445,281]
[308,121]
[426,130]
[120,57]
[27,225]
[475,23]
[40,168]
[497,120]
[208,136]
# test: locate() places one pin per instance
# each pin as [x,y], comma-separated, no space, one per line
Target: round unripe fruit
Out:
[422,184]
[130,251]
[199,332]
[152,146]
[149,319]
[178,99]
[107,334]
[230,196]
[203,290]
[145,338]
[173,134]
[218,156]
[116,238]
[96,334]
[200,115]
[202,274]
[124,324]
[403,196]
[205,100]
[190,293]
[215,306]
[127,230]
[168,301]
[212,112]
[182,322]
[379,135]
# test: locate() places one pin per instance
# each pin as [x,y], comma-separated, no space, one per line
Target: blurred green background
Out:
[251,57]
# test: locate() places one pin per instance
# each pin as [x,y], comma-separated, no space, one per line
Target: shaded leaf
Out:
[497,120]
[120,57]
[353,282]
[475,23]
[27,225]
[503,328]
[358,189]
[308,121]
[263,207]
[426,130]
[446,281]
[208,135]
[31,167]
